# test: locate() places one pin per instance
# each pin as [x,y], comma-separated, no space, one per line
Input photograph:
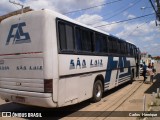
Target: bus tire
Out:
[97,91]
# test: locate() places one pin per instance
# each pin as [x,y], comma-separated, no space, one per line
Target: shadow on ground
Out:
[155,85]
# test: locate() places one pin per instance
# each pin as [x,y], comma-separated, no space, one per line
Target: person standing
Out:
[153,68]
[153,72]
[150,70]
[149,66]
[144,71]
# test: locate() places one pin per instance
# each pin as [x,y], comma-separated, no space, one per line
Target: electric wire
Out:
[118,13]
[125,20]
[137,27]
[83,9]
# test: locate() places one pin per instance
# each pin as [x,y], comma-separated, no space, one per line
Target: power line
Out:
[92,7]
[107,13]
[120,8]
[118,13]
[123,10]
[143,11]
[124,20]
[137,27]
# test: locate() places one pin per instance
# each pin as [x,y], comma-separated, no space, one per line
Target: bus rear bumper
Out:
[28,98]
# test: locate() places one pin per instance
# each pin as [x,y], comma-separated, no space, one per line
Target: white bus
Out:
[50,60]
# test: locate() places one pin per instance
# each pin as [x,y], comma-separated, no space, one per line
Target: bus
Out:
[50,60]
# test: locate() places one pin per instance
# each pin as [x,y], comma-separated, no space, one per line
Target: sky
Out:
[143,32]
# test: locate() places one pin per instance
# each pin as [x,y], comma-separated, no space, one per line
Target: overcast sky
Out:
[142,32]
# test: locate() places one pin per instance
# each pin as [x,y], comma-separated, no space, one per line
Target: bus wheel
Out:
[97,91]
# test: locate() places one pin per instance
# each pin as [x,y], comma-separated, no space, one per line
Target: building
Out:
[145,57]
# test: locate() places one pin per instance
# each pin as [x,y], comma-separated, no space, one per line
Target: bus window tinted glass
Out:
[113,48]
[84,40]
[78,39]
[66,37]
[69,37]
[101,43]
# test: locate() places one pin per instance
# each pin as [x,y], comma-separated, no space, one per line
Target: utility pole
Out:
[158,8]
[13,2]
[153,6]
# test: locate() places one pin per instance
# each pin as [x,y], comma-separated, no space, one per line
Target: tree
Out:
[157,58]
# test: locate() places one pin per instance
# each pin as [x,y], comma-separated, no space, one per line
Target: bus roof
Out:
[58,15]
[130,42]
[61,16]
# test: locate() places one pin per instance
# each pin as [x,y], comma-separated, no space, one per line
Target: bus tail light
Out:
[48,85]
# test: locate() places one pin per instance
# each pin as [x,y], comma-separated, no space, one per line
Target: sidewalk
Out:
[152,97]
[136,101]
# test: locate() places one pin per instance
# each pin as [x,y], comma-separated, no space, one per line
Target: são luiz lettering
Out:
[29,68]
[4,67]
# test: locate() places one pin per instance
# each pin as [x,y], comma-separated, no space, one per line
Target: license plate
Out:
[19,99]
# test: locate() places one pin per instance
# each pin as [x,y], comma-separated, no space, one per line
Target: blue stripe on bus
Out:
[123,63]
[110,66]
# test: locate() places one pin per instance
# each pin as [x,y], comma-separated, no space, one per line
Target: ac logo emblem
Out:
[16,34]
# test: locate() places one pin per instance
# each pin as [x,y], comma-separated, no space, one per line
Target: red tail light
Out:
[48,85]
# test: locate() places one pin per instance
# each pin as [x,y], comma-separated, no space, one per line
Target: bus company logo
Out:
[16,34]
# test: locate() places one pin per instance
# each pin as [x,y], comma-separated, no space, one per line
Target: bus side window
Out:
[84,40]
[99,48]
[115,50]
[78,39]
[135,52]
[118,47]
[128,48]
[131,50]
[113,45]
[101,43]
[66,37]
[123,48]
[69,37]
[110,45]
[62,39]
[105,44]
[98,43]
